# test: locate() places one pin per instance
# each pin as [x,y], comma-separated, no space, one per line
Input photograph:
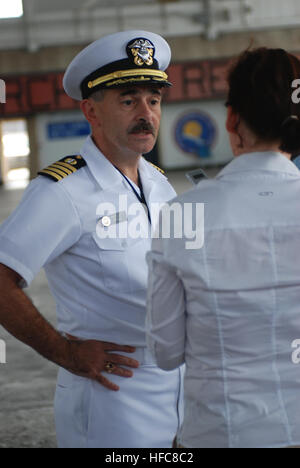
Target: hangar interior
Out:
[39,124]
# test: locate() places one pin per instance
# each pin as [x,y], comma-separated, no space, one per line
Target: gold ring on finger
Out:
[109,367]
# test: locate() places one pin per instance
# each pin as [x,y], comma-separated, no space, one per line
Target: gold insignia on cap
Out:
[142,51]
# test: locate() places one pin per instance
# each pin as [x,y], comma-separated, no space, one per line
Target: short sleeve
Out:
[44,225]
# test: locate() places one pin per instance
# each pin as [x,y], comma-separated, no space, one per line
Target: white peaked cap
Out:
[120,59]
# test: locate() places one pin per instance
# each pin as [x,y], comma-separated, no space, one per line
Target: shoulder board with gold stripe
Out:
[156,167]
[62,168]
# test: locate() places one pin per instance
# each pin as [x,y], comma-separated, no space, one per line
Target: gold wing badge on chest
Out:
[63,168]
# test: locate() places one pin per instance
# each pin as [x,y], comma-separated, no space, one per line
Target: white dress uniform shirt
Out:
[99,285]
[231,309]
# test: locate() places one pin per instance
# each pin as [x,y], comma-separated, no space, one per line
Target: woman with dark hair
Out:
[260,98]
[231,309]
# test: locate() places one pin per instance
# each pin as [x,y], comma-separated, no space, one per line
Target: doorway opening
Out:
[14,153]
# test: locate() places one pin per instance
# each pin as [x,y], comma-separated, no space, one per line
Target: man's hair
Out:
[98,95]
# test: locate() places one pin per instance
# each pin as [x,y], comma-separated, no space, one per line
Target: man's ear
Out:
[232,120]
[88,109]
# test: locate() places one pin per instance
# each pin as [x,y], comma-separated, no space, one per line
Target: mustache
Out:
[143,127]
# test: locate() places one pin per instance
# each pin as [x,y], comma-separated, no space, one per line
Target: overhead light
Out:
[11,9]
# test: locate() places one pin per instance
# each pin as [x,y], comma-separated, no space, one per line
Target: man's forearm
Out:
[21,318]
[87,358]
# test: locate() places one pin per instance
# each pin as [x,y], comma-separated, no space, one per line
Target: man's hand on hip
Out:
[89,358]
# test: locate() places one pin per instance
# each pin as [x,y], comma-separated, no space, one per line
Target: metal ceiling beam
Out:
[90,19]
[28,13]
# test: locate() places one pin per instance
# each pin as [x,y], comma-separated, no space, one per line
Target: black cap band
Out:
[123,72]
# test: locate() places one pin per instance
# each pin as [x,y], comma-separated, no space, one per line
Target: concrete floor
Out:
[27,381]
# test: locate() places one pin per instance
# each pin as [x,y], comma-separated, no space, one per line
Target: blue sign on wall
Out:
[195,133]
[59,130]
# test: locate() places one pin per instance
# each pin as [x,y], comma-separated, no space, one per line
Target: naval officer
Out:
[110,393]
